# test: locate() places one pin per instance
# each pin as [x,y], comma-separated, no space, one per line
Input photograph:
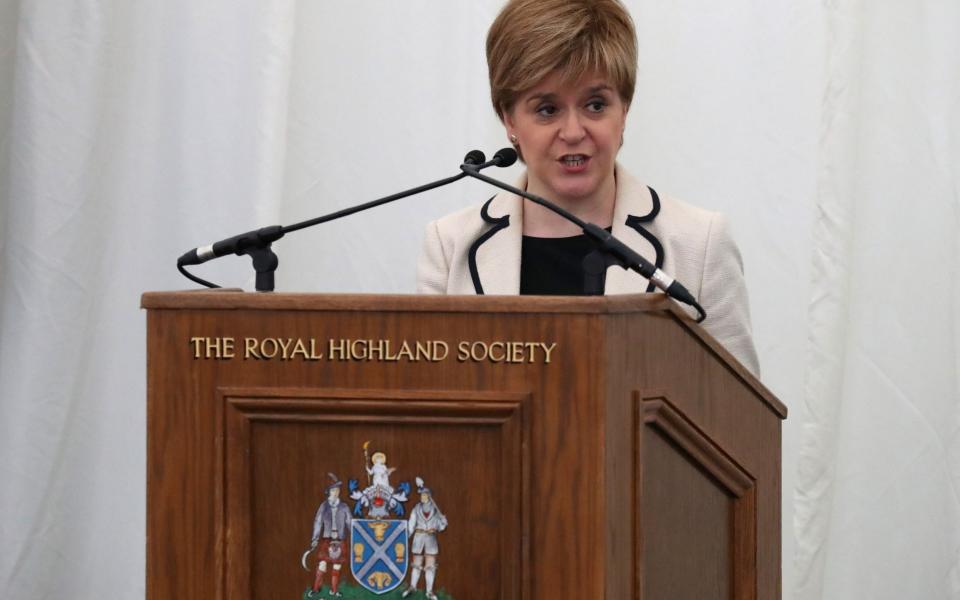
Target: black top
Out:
[553,266]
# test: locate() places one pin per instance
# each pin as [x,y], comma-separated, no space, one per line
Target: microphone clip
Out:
[265,263]
[257,245]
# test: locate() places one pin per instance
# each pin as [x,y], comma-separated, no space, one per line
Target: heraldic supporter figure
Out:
[425,522]
[331,527]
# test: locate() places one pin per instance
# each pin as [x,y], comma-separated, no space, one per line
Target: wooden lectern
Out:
[578,448]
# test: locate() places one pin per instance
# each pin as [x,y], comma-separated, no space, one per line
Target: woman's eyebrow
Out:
[603,87]
[596,89]
[541,96]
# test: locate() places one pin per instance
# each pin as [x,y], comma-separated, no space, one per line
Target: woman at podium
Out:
[562,76]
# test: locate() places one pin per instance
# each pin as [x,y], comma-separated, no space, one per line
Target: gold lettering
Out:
[196,341]
[392,357]
[275,347]
[356,355]
[473,351]
[405,351]
[285,344]
[212,347]
[299,348]
[290,348]
[337,349]
[250,348]
[423,350]
[342,349]
[531,352]
[547,350]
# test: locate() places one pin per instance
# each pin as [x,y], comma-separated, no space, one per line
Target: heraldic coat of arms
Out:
[375,537]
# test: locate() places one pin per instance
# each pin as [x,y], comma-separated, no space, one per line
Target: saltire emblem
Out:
[379,553]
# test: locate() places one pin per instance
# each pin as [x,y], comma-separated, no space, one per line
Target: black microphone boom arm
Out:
[256,244]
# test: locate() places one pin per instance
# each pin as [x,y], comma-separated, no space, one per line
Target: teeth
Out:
[574,160]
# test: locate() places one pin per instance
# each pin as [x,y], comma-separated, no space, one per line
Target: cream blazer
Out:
[477,251]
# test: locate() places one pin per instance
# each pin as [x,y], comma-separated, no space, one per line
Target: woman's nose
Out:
[571,129]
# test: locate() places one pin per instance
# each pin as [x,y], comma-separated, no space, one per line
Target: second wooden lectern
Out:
[510,448]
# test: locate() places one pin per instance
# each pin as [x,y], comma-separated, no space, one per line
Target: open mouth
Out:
[573,160]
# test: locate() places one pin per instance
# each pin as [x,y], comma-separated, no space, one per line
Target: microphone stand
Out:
[257,243]
[610,251]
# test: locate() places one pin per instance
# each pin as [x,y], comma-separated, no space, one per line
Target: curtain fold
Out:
[829,306]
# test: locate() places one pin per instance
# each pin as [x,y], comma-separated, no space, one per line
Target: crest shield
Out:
[379,553]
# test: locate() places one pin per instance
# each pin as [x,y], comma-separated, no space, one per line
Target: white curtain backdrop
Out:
[131,131]
[877,505]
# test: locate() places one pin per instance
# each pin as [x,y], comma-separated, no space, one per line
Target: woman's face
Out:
[569,135]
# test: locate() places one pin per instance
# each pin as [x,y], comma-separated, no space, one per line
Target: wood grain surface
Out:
[641,462]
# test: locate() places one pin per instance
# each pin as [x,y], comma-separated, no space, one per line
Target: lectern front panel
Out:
[304,446]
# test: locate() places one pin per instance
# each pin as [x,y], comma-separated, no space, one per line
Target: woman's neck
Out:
[539,221]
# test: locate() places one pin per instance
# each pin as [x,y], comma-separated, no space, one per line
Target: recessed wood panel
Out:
[468,448]
[696,531]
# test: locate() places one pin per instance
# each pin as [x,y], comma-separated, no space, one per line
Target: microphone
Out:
[505,157]
[237,244]
[474,157]
[618,252]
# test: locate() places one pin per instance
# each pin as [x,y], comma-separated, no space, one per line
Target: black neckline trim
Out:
[635,223]
[498,224]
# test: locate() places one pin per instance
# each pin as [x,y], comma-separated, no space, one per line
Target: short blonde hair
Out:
[532,38]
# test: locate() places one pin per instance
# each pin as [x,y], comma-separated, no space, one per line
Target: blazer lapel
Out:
[636,207]
[495,255]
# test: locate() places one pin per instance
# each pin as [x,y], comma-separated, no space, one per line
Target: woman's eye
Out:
[596,106]
[546,110]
